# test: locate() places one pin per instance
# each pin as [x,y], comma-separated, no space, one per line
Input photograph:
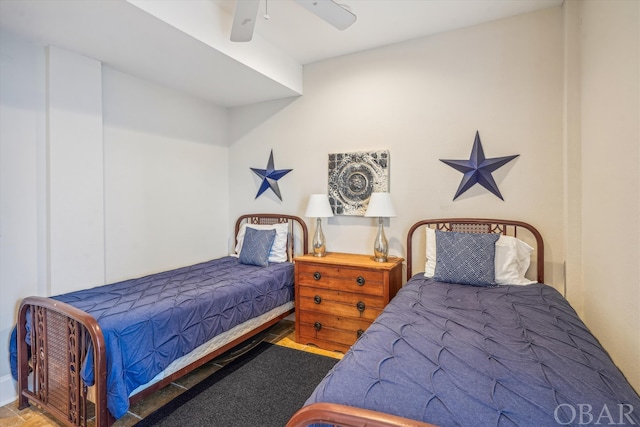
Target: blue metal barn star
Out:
[270,177]
[477,170]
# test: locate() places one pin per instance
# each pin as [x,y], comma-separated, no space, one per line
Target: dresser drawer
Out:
[327,344]
[348,279]
[353,327]
[343,304]
[319,334]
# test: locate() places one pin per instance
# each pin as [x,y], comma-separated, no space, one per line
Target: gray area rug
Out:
[263,387]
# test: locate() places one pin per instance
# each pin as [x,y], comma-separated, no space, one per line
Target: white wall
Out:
[610,129]
[103,177]
[423,101]
[22,142]
[75,176]
[166,174]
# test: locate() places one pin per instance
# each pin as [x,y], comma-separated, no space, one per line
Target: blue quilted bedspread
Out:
[456,355]
[151,321]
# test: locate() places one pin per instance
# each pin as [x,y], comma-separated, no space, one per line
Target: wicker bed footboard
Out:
[60,336]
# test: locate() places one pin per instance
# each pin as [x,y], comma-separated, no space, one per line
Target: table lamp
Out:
[380,205]
[318,207]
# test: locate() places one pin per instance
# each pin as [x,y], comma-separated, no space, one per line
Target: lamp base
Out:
[380,246]
[319,248]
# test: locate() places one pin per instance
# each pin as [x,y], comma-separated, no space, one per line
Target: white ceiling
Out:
[124,36]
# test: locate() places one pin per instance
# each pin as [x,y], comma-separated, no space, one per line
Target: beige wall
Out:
[610,134]
[422,100]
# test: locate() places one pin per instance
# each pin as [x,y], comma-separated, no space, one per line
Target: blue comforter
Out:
[457,355]
[151,321]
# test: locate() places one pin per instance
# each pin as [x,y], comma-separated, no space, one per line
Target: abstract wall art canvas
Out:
[353,177]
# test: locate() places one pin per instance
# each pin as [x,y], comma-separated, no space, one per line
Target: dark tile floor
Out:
[283,333]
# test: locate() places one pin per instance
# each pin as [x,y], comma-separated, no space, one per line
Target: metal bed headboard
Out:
[270,219]
[480,225]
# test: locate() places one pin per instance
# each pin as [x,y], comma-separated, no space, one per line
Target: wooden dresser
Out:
[339,295]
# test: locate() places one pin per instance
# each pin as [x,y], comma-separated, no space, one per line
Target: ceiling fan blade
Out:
[330,11]
[244,20]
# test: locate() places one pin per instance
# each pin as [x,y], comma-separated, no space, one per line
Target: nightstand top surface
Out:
[356,260]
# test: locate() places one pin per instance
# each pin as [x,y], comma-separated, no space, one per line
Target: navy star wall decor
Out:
[270,177]
[477,170]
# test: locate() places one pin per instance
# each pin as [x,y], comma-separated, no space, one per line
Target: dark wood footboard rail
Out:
[60,336]
[348,416]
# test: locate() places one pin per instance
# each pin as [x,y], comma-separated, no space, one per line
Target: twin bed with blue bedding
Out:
[130,338]
[472,342]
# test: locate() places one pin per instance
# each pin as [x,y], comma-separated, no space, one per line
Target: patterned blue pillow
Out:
[467,258]
[256,247]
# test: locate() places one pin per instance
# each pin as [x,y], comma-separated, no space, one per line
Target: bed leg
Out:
[23,360]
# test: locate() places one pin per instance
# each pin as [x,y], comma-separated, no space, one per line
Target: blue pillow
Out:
[256,247]
[466,258]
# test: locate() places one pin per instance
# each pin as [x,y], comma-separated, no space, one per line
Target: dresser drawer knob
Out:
[360,306]
[317,275]
[317,326]
[359,333]
[317,299]
[360,280]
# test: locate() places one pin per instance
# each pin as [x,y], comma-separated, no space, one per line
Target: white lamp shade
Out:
[380,205]
[318,207]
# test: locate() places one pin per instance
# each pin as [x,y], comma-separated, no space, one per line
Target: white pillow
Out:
[512,259]
[278,251]
[430,266]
